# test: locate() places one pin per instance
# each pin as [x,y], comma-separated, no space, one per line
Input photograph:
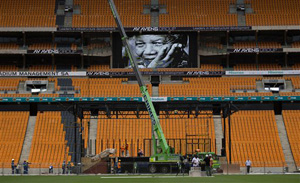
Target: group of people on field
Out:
[208,160]
[16,168]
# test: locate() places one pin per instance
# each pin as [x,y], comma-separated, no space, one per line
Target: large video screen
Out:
[157,51]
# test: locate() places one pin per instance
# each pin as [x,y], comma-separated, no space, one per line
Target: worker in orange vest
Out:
[119,166]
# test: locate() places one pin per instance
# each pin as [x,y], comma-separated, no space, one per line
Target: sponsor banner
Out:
[154,99]
[158,99]
[54,51]
[97,29]
[254,50]
[153,73]
[155,29]
[275,72]
[41,73]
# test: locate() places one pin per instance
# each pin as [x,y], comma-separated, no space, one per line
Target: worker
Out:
[122,149]
[69,166]
[179,166]
[119,166]
[25,167]
[18,169]
[248,165]
[64,167]
[195,161]
[211,162]
[186,165]
[126,150]
[207,165]
[13,166]
[140,153]
[50,169]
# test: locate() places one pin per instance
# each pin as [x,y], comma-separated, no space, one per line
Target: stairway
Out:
[285,143]
[93,136]
[28,139]
[155,91]
[218,132]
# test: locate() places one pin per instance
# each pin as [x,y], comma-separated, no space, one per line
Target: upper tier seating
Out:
[130,13]
[245,67]
[48,144]
[255,67]
[254,135]
[33,13]
[296,66]
[273,12]
[98,68]
[197,13]
[114,133]
[296,45]
[8,68]
[292,125]
[107,87]
[259,45]
[212,87]
[13,127]
[9,46]
[41,46]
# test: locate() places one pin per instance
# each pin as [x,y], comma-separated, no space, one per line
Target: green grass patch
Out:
[154,179]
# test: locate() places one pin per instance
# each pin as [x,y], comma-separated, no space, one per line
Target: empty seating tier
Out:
[107,87]
[254,135]
[212,87]
[91,16]
[33,13]
[197,13]
[292,125]
[48,144]
[273,12]
[13,127]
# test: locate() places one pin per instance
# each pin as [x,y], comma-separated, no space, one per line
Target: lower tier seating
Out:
[254,135]
[136,132]
[13,127]
[48,143]
[292,126]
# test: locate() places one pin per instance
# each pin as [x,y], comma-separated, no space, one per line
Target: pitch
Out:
[154,179]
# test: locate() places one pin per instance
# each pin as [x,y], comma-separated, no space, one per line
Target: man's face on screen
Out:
[148,46]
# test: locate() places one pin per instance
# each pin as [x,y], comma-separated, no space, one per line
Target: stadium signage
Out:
[41,73]
[55,51]
[158,99]
[254,50]
[156,73]
[97,73]
[155,29]
[203,73]
[281,72]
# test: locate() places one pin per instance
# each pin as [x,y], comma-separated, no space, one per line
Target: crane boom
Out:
[157,130]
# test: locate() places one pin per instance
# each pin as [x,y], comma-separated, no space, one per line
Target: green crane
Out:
[162,151]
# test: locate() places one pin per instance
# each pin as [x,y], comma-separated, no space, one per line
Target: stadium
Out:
[150,90]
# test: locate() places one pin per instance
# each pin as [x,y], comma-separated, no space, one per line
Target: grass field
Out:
[154,179]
